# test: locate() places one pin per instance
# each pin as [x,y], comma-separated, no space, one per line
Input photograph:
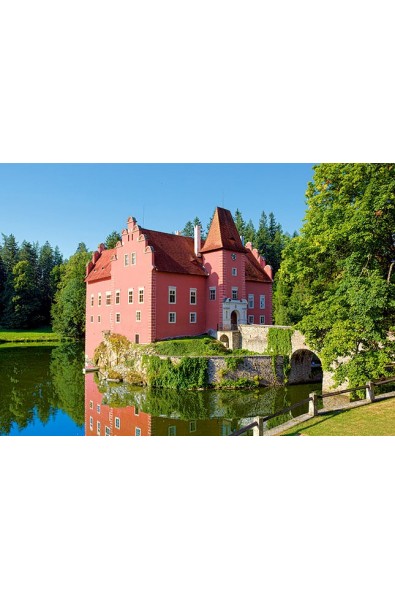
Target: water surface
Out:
[44,392]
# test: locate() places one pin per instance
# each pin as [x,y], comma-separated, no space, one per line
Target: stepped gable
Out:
[174,253]
[102,267]
[223,233]
[254,272]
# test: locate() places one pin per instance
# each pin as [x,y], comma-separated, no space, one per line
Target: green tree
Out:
[188,229]
[68,310]
[25,299]
[336,280]
[262,235]
[250,233]
[112,239]
[46,263]
[239,222]
[9,255]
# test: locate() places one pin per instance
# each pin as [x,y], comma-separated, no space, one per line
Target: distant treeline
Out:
[29,277]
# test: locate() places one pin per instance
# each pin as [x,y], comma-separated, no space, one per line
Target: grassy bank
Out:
[9,337]
[194,346]
[373,419]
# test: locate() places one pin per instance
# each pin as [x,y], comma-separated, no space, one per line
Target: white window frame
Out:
[136,411]
[250,319]
[126,260]
[234,271]
[213,292]
[90,403]
[99,318]
[92,299]
[91,423]
[117,420]
[91,318]
[108,297]
[98,428]
[137,431]
[117,296]
[98,409]
[107,430]
[141,295]
[130,292]
[172,294]
[138,316]
[117,317]
[99,299]
[262,301]
[193,317]
[192,292]
[235,293]
[251,300]
[170,318]
[133,258]
[262,319]
[192,426]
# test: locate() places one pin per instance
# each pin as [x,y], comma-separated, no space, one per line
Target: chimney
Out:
[197,240]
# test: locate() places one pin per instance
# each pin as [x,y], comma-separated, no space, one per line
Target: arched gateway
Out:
[234,319]
[305,367]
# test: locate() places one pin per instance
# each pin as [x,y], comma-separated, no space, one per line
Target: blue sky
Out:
[69,203]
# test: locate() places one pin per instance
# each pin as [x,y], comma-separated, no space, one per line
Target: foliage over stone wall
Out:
[120,359]
[189,373]
[279,343]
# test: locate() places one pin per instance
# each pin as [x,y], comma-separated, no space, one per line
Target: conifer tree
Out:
[112,239]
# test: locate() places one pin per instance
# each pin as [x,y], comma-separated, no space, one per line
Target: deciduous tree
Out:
[336,280]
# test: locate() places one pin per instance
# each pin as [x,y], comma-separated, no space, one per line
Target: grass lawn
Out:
[373,419]
[190,346]
[203,345]
[43,334]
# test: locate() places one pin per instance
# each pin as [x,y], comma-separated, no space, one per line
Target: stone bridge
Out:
[305,361]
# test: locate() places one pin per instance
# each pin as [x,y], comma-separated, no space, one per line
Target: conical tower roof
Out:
[223,234]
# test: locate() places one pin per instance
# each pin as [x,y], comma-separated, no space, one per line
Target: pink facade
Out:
[157,285]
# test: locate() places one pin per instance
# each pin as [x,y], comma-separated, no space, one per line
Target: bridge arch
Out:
[225,340]
[305,367]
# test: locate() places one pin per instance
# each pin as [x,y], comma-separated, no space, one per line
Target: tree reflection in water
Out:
[119,409]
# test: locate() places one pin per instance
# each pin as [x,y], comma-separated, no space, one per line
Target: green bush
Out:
[189,373]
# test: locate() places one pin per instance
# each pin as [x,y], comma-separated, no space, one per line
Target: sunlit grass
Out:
[373,419]
[13,336]
[190,346]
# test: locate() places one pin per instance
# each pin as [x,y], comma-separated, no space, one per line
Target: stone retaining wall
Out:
[250,367]
[127,363]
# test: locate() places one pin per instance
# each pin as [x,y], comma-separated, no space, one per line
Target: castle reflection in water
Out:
[120,410]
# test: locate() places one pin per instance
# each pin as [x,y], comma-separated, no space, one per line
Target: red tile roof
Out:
[102,268]
[174,253]
[223,233]
[254,271]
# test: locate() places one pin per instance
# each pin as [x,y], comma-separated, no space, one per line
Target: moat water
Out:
[44,392]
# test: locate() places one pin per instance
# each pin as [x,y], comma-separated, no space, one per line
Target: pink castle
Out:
[156,285]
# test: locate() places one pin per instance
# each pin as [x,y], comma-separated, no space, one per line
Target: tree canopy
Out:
[112,239]
[28,281]
[68,310]
[336,281]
